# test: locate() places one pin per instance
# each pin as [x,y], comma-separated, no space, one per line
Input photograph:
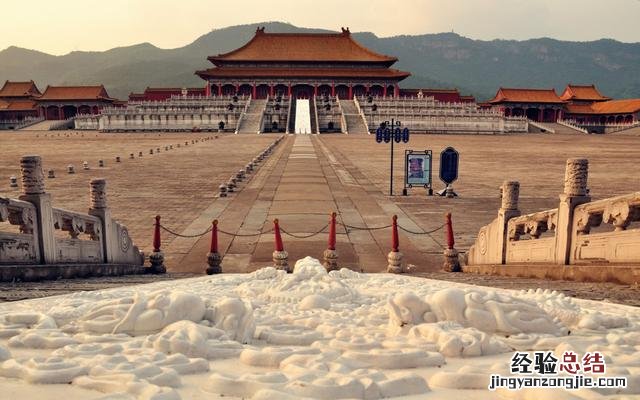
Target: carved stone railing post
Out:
[491,244]
[34,193]
[508,210]
[98,208]
[575,193]
[510,195]
[118,248]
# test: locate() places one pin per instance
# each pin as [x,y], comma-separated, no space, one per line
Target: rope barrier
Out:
[245,234]
[360,228]
[185,236]
[422,233]
[306,236]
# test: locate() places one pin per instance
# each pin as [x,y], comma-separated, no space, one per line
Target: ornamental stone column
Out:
[575,193]
[98,208]
[33,191]
[510,194]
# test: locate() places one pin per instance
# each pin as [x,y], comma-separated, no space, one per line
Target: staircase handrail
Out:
[540,126]
[364,119]
[343,122]
[289,115]
[572,126]
[262,115]
[242,114]
[315,112]
[28,121]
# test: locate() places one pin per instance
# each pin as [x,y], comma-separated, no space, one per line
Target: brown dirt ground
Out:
[178,184]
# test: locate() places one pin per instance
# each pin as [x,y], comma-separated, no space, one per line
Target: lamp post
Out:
[389,131]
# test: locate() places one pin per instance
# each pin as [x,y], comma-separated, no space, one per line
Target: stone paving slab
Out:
[300,188]
[236,213]
[375,213]
[324,207]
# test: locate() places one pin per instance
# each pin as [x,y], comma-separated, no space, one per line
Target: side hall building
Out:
[580,105]
[17,103]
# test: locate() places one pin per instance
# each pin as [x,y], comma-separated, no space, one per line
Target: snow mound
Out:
[305,335]
[309,277]
[143,314]
[485,310]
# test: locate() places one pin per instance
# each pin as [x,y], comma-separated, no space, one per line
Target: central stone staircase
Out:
[251,119]
[555,128]
[303,116]
[353,118]
[40,126]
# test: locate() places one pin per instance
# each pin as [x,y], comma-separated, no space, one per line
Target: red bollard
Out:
[451,261]
[394,257]
[156,258]
[450,240]
[395,241]
[156,235]
[280,257]
[330,254]
[213,248]
[276,230]
[332,232]
[213,258]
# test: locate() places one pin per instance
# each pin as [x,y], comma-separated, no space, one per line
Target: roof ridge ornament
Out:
[345,31]
[259,30]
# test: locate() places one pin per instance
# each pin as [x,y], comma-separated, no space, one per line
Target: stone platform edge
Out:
[626,274]
[30,273]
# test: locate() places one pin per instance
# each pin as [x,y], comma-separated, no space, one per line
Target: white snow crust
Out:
[309,334]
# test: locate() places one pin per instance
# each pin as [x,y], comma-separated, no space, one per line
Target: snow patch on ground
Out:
[309,334]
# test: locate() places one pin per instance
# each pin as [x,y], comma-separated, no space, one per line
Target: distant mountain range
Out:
[436,60]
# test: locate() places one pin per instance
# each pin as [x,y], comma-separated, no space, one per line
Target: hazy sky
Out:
[59,27]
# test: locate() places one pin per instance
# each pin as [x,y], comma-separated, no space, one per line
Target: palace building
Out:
[302,65]
[63,102]
[314,83]
[159,94]
[17,104]
[582,106]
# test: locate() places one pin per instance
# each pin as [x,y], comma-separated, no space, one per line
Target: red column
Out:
[289,91]
[396,90]
[350,92]
[207,89]
[60,113]
[219,89]
[237,88]
[384,91]
[315,89]
[333,89]
[254,91]
[540,114]
[271,90]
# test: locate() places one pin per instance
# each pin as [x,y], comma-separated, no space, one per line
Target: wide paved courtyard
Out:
[305,179]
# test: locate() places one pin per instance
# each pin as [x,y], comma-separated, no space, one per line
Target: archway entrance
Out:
[533,114]
[302,91]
